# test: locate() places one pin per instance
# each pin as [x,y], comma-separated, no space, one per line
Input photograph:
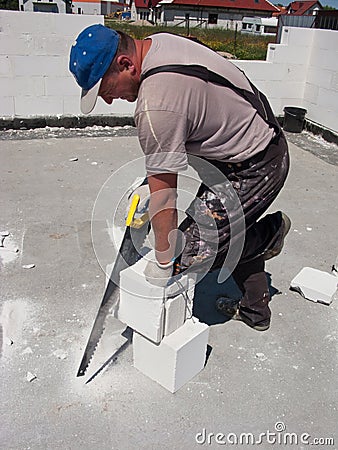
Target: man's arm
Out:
[163,214]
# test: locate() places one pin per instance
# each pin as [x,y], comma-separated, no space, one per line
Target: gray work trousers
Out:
[257,182]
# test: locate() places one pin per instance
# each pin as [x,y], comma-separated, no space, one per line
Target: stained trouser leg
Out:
[252,281]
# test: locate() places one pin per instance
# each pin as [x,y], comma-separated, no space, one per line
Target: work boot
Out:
[232,309]
[282,232]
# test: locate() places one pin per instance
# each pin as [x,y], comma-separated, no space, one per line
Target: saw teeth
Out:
[133,256]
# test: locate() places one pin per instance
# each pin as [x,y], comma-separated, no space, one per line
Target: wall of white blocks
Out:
[35,81]
[301,71]
[34,75]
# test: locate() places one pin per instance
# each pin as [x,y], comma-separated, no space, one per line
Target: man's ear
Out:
[125,63]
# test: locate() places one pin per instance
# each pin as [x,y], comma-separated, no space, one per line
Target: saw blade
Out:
[128,255]
[127,335]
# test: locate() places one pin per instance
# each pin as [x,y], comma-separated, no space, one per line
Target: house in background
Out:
[46,6]
[304,8]
[201,13]
[86,7]
[260,26]
[307,14]
[104,7]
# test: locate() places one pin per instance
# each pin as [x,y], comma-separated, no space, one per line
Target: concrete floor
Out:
[47,314]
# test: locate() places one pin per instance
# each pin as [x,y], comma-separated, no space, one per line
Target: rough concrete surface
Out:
[253,382]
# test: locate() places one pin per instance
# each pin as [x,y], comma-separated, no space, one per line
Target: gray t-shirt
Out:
[178,114]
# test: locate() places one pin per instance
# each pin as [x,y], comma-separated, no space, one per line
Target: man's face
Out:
[121,85]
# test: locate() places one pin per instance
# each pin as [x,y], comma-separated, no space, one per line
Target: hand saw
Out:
[137,229]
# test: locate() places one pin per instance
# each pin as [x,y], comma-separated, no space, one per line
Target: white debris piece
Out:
[30,377]
[27,351]
[261,356]
[334,268]
[9,341]
[8,249]
[174,313]
[315,285]
[3,236]
[28,266]
[73,159]
[60,354]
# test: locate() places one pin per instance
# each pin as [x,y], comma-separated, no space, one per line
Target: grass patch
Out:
[241,46]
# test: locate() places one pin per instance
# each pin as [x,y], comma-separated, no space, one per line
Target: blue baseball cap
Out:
[90,57]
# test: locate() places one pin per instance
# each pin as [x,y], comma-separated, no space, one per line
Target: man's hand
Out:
[144,193]
[158,274]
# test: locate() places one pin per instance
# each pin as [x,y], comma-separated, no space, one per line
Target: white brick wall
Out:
[301,71]
[34,47]
[34,75]
[321,85]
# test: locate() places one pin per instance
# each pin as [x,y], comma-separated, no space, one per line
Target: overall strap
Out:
[256,98]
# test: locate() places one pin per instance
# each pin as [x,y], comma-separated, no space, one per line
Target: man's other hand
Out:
[158,274]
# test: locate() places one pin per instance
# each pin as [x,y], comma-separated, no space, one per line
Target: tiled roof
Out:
[257,5]
[282,10]
[301,8]
[146,3]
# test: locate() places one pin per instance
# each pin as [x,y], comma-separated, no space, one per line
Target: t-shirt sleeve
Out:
[162,136]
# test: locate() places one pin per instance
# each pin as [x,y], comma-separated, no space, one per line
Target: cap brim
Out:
[88,98]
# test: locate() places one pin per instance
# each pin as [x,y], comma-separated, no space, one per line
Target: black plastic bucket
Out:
[294,119]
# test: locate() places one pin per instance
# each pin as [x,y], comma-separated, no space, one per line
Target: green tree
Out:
[9,4]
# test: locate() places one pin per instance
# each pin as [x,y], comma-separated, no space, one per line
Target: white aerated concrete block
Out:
[150,310]
[141,304]
[315,285]
[177,359]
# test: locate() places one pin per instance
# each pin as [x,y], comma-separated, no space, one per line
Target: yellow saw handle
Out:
[133,206]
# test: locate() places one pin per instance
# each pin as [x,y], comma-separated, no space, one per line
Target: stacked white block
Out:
[141,304]
[152,311]
[169,345]
[177,359]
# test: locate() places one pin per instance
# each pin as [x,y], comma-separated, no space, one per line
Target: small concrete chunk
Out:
[174,316]
[261,356]
[27,351]
[178,301]
[177,359]
[30,377]
[28,266]
[8,341]
[315,285]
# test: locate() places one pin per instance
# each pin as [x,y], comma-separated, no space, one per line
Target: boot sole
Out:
[276,251]
[233,313]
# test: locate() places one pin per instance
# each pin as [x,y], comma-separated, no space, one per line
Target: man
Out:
[227,126]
